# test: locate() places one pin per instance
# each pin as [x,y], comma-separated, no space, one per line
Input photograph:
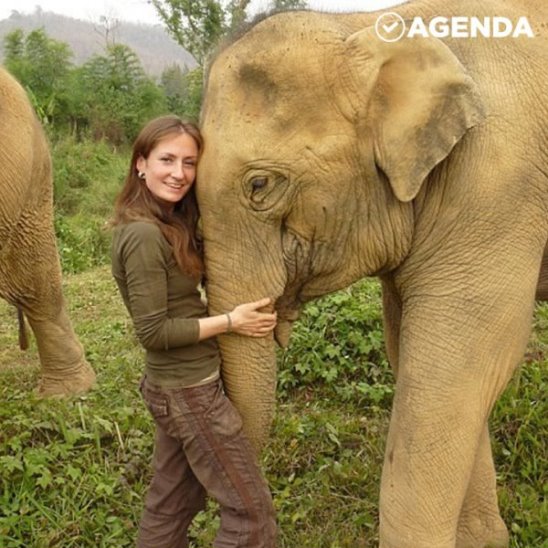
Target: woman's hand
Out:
[246,319]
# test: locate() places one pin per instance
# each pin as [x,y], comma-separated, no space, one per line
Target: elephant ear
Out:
[413,99]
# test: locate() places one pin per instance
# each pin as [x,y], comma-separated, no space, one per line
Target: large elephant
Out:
[332,155]
[30,272]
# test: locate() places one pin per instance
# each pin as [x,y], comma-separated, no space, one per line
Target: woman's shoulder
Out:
[141,232]
[140,228]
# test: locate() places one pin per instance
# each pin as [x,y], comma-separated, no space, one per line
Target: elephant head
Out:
[318,138]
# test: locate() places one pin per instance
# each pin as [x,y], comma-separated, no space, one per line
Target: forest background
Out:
[73,473]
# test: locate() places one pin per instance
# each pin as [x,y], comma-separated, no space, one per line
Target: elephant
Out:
[30,270]
[332,155]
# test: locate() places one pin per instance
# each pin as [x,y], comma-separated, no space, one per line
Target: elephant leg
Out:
[31,279]
[480,523]
[64,368]
[480,517]
[455,358]
[542,287]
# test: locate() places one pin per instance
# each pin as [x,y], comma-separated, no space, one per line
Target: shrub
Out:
[87,175]
[83,242]
[338,342]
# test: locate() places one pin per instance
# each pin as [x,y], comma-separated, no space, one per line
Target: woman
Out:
[157,263]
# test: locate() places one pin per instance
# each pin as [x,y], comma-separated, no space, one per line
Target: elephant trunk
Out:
[249,376]
[248,363]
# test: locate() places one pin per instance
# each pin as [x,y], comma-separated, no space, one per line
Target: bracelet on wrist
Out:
[229,324]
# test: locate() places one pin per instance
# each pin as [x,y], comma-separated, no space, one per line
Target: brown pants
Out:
[200,448]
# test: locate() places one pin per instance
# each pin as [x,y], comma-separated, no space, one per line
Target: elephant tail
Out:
[23,339]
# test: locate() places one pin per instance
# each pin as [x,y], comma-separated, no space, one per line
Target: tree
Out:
[183,91]
[118,94]
[42,65]
[198,25]
[173,83]
[237,14]
[107,29]
[14,46]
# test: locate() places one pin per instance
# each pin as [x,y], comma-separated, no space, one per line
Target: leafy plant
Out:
[338,342]
[83,242]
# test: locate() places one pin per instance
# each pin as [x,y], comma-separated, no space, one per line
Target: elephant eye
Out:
[258,183]
[263,190]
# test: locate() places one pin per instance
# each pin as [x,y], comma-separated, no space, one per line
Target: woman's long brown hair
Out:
[136,203]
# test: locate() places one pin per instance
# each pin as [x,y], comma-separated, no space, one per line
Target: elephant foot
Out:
[68,383]
[480,534]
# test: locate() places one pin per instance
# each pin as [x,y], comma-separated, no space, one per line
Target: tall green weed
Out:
[87,177]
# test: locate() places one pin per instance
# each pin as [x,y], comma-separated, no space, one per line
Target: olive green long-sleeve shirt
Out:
[165,306]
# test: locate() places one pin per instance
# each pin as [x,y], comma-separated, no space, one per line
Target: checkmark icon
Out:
[390,26]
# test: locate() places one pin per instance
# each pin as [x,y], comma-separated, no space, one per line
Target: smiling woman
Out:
[157,263]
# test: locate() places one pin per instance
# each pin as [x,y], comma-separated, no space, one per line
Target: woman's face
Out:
[170,169]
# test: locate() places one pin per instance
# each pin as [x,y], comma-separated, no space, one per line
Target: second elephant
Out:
[30,272]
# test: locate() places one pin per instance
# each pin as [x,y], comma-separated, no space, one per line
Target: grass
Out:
[73,472]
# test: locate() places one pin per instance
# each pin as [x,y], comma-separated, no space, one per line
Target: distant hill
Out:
[154,47]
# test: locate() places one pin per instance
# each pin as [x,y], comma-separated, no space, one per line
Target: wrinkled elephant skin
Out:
[332,155]
[30,272]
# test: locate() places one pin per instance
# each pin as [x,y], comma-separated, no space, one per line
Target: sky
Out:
[140,11]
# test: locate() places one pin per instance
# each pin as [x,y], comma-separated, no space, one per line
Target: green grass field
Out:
[73,472]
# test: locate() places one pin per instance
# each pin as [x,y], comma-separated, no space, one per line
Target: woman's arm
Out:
[144,255]
[245,319]
[145,262]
